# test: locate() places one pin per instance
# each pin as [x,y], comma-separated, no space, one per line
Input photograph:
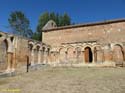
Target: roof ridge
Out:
[86,24]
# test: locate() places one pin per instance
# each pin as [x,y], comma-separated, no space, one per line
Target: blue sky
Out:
[81,11]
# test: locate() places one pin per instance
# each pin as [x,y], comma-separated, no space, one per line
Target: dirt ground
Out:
[66,80]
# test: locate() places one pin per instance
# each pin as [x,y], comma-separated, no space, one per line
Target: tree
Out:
[37,36]
[65,20]
[43,19]
[19,24]
[60,20]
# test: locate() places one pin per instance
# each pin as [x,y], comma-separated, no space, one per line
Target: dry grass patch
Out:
[68,80]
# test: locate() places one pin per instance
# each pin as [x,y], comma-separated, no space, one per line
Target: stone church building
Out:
[92,44]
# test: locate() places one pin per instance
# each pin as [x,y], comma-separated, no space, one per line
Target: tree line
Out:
[20,24]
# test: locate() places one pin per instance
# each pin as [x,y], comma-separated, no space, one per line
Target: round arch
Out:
[88,54]
[78,54]
[70,53]
[87,45]
[98,54]
[63,54]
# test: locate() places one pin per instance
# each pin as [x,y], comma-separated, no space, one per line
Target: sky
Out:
[80,11]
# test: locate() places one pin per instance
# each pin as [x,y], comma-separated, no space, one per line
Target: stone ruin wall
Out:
[23,49]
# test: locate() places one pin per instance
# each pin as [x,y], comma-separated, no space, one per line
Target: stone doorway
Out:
[88,55]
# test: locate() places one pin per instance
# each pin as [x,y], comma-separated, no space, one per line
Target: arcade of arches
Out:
[71,45]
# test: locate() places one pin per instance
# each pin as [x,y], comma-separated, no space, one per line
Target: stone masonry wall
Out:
[112,32]
[16,51]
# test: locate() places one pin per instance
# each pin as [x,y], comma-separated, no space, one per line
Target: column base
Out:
[10,70]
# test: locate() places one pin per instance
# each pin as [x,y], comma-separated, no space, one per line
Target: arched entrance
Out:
[88,55]
[118,54]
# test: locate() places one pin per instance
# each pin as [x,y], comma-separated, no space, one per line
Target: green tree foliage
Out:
[37,36]
[19,24]
[64,20]
[60,20]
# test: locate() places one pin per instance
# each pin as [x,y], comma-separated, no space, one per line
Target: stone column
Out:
[32,56]
[57,58]
[42,59]
[66,58]
[83,53]
[39,56]
[45,57]
[93,56]
[9,62]
[103,56]
[15,46]
[50,57]
[9,55]
[14,62]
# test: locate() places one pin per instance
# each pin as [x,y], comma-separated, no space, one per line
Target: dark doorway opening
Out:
[88,55]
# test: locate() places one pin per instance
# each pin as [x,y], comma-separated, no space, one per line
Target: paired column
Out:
[32,56]
[39,56]
[45,56]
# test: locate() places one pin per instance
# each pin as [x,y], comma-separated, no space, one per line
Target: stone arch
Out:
[63,54]
[30,45]
[38,46]
[43,49]
[44,54]
[87,45]
[70,53]
[36,52]
[96,45]
[118,54]
[48,54]
[39,53]
[98,54]
[78,54]
[3,55]
[48,50]
[88,55]
[31,51]
[114,44]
